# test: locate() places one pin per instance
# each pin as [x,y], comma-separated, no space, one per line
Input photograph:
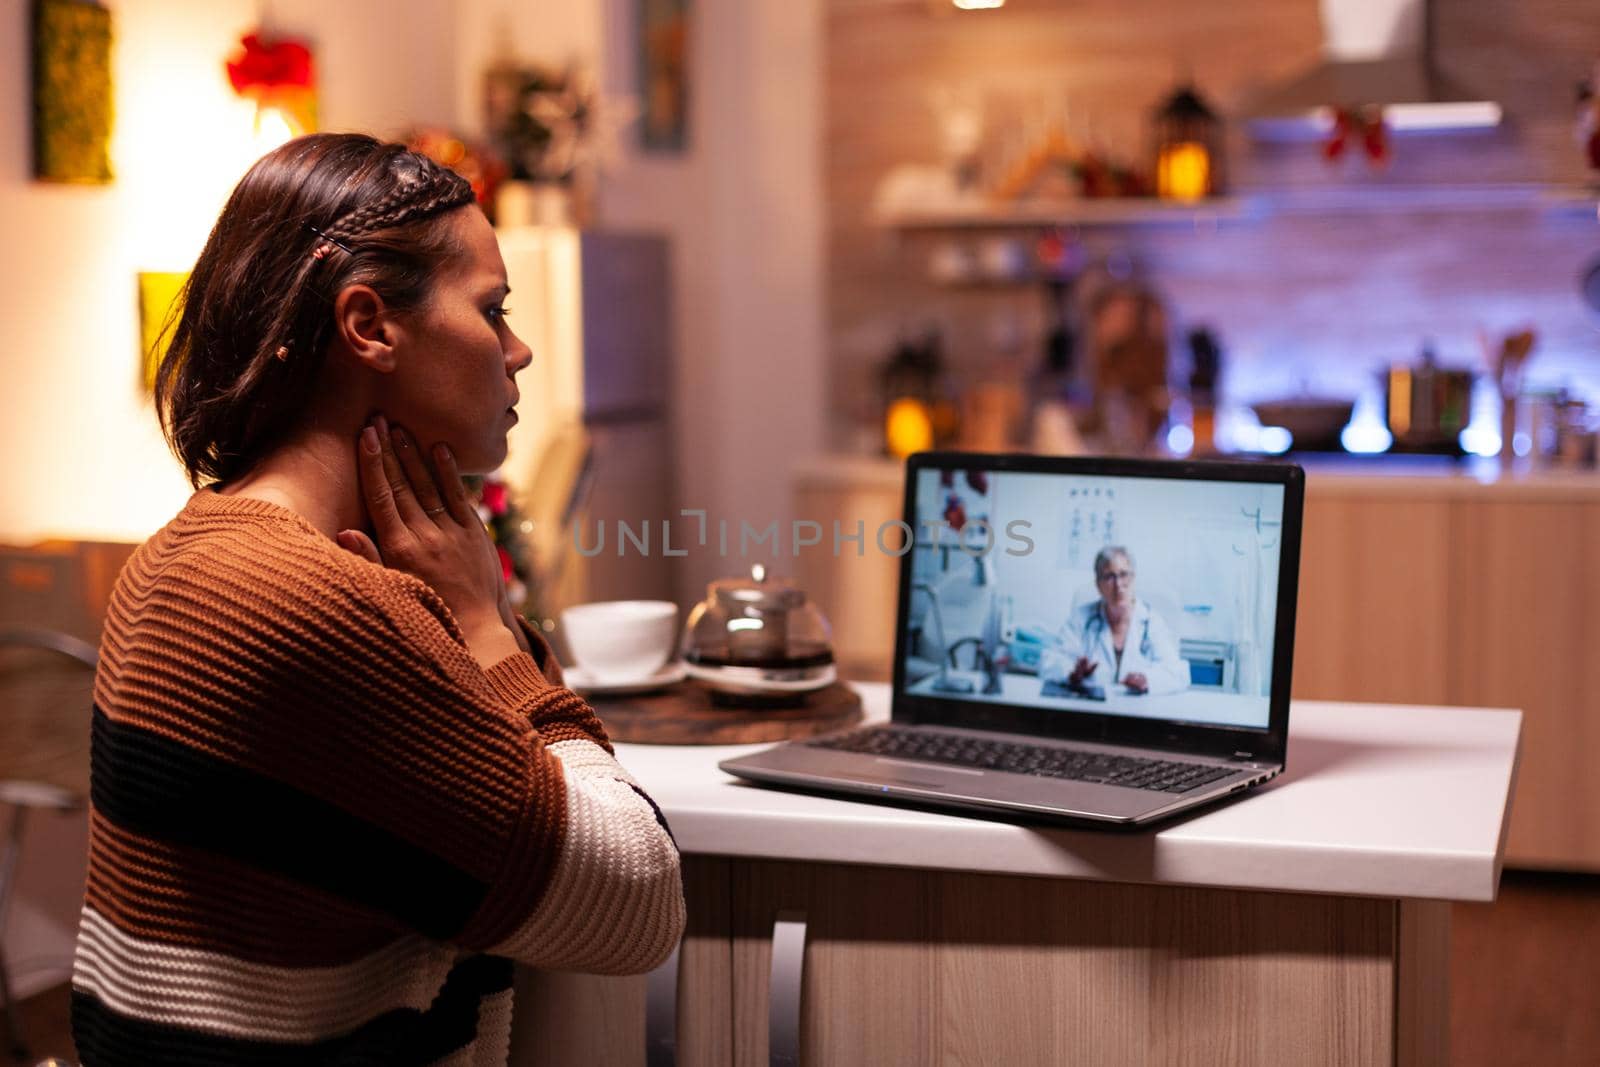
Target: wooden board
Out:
[688,714]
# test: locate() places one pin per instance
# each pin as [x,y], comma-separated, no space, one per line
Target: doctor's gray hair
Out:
[1103,558]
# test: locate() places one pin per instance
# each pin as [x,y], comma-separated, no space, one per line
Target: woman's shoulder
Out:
[246,584]
[249,557]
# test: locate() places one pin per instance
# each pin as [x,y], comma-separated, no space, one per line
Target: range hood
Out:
[1375,52]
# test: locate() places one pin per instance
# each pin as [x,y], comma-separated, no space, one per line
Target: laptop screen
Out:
[1138,597]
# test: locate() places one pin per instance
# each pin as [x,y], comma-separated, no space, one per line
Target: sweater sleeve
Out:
[529,839]
[543,655]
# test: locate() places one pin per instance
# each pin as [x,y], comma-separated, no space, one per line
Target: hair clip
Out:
[282,353]
[328,243]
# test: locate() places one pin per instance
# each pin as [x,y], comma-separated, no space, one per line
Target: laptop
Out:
[1086,640]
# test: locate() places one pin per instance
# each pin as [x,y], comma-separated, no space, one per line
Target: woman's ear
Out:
[364,327]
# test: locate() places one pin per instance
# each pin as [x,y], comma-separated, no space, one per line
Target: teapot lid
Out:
[759,591]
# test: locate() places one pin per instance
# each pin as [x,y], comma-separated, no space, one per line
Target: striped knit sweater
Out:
[321,832]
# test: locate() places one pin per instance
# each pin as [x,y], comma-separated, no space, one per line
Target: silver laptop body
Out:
[1089,640]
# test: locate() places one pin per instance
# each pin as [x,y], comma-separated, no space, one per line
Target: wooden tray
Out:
[689,714]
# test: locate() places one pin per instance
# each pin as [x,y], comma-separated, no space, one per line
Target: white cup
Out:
[621,640]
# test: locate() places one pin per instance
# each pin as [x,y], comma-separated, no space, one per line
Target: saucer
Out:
[761,681]
[579,679]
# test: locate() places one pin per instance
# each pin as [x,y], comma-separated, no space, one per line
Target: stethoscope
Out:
[1097,622]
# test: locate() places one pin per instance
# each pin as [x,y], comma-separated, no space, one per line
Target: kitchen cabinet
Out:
[904,966]
[1306,924]
[1372,622]
[1447,591]
[940,967]
[586,1019]
[1524,629]
[1439,589]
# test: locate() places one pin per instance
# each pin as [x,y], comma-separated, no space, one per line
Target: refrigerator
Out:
[592,460]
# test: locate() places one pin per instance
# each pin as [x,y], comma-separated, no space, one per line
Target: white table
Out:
[1377,800]
[1305,922]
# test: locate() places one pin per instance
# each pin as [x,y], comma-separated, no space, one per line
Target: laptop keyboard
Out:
[1133,772]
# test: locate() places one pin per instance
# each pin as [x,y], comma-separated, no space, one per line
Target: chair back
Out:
[46,695]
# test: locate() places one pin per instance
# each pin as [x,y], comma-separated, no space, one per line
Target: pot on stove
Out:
[1426,406]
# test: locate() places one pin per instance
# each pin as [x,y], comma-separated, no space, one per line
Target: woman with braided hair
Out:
[338,787]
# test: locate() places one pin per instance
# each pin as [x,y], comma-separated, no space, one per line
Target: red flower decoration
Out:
[1333,148]
[1376,142]
[1364,126]
[494,498]
[262,67]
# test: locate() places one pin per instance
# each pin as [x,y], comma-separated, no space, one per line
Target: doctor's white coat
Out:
[1151,649]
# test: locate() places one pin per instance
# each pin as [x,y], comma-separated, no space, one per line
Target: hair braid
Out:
[364,219]
[435,189]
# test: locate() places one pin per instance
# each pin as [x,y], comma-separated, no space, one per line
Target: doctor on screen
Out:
[1115,640]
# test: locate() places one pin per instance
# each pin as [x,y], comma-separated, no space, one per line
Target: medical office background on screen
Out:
[1206,558]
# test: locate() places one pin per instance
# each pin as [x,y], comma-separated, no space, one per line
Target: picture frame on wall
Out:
[160,293]
[664,75]
[72,91]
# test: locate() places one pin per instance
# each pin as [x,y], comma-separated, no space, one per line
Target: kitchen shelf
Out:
[1088,211]
[1576,201]
[1356,199]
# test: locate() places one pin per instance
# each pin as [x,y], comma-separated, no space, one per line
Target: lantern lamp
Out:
[1188,148]
[907,427]
[916,414]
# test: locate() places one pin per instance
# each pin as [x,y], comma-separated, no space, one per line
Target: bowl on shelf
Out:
[1314,422]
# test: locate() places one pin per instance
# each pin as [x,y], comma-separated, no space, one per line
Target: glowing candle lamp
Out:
[908,427]
[1188,148]
[1184,172]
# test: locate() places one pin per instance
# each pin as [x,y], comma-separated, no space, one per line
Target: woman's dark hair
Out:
[254,321]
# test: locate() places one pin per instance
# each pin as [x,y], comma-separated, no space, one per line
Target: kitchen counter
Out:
[1289,926]
[1377,800]
[1435,476]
